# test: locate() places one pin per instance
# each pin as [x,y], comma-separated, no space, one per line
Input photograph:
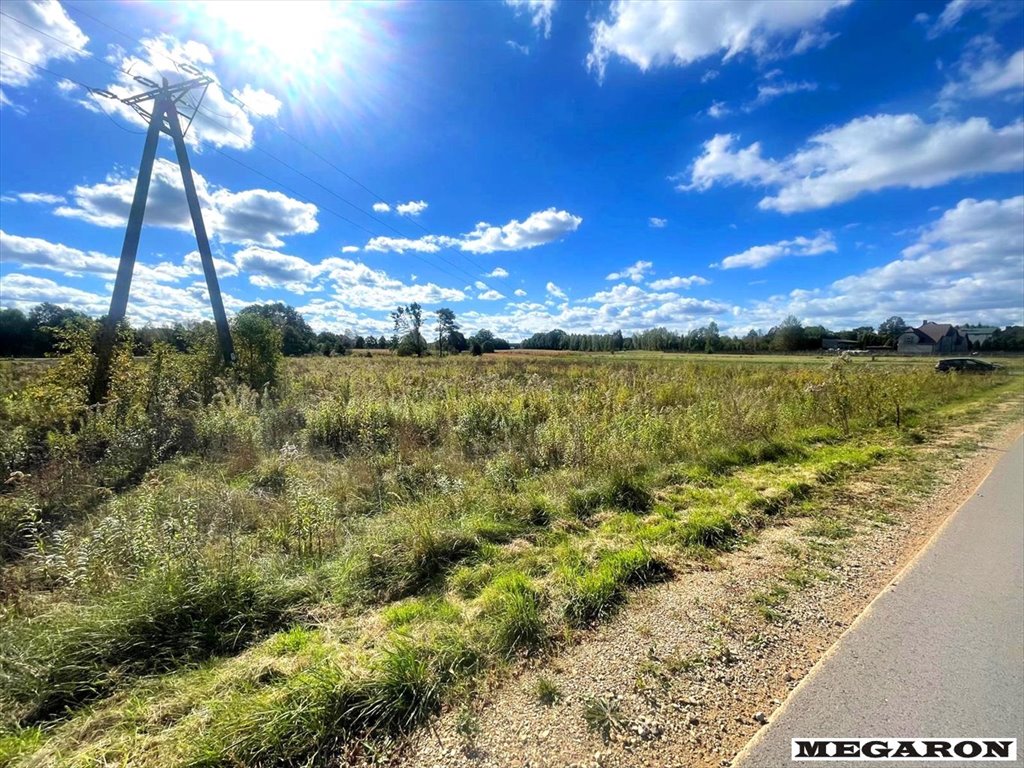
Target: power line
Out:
[276,124]
[330,191]
[83,51]
[206,114]
[79,84]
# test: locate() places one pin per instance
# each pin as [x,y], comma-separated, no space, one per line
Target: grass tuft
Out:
[594,594]
[512,606]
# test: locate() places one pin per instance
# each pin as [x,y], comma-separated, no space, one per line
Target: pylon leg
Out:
[129,250]
[212,286]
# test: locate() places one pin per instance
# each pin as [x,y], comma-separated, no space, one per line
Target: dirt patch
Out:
[692,668]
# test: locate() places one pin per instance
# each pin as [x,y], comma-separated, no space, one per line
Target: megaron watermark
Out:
[905,750]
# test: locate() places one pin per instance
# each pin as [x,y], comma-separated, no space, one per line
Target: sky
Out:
[531,164]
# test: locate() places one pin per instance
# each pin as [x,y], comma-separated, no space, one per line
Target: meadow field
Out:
[198,573]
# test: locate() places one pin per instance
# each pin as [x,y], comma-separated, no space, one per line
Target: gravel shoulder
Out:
[689,671]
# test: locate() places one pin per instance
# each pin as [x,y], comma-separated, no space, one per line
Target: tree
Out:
[457,342]
[789,336]
[297,338]
[257,350]
[894,327]
[409,320]
[446,326]
[475,349]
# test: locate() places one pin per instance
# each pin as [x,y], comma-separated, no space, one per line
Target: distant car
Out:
[966,365]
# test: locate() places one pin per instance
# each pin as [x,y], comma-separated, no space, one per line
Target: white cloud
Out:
[555,291]
[37,253]
[250,216]
[762,255]
[43,198]
[223,268]
[538,229]
[518,47]
[983,72]
[651,33]
[865,155]
[425,244]
[964,267]
[152,301]
[258,101]
[357,285]
[42,254]
[35,48]
[411,208]
[498,272]
[772,90]
[657,223]
[635,272]
[540,12]
[672,283]
[24,291]
[950,16]
[519,292]
[718,110]
[490,295]
[480,285]
[224,124]
[381,207]
[271,269]
[350,249]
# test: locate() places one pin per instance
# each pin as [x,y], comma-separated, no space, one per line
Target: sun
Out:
[294,34]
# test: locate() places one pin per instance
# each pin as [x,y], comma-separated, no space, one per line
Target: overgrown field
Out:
[197,573]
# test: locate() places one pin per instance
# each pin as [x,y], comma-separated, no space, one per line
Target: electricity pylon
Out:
[163,119]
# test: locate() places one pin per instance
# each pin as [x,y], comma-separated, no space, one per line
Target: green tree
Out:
[408,321]
[257,350]
[446,326]
[893,328]
[789,336]
[297,338]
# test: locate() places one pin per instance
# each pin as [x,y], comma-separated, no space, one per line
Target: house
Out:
[977,334]
[932,339]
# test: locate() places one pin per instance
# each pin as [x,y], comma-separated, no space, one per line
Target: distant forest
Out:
[32,334]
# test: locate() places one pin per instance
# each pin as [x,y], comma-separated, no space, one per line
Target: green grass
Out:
[75,653]
[593,593]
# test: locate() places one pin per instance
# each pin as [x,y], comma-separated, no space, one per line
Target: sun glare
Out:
[293,34]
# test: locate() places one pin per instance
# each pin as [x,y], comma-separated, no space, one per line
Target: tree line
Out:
[417,333]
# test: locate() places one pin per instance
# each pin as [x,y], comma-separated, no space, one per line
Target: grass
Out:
[305,577]
[80,652]
[547,692]
[594,593]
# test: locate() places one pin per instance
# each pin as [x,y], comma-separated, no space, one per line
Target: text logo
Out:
[905,750]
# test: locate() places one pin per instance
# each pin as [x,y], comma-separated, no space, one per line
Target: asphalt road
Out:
[940,653]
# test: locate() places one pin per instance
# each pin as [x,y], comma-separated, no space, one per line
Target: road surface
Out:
[940,653]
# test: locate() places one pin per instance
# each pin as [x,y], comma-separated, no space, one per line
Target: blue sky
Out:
[532,164]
